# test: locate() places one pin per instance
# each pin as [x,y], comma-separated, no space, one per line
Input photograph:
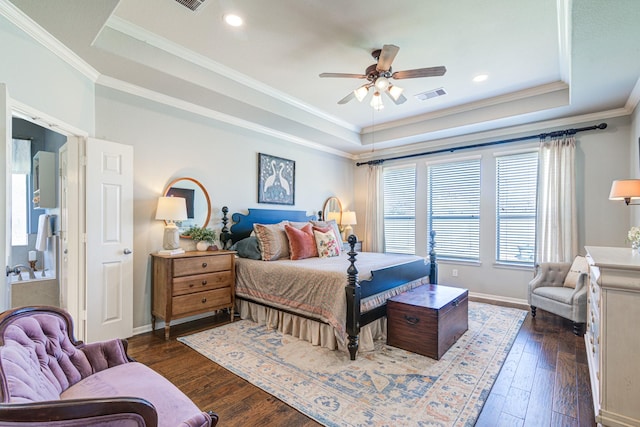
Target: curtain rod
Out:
[486,144]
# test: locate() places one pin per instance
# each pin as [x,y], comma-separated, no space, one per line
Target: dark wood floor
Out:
[544,381]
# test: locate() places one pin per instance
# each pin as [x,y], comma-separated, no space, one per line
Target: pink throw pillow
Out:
[302,244]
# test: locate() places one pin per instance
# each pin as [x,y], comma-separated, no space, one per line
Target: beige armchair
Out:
[561,288]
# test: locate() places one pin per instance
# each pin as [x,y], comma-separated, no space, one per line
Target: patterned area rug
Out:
[385,387]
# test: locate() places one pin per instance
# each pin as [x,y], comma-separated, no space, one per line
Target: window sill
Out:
[508,266]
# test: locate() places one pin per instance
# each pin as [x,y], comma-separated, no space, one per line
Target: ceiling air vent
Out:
[431,94]
[193,5]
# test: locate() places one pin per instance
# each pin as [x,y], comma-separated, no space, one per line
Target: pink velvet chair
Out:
[49,378]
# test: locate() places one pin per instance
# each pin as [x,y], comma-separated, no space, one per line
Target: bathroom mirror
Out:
[198,202]
[332,209]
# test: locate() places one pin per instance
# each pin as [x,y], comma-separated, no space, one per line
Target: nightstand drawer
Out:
[202,282]
[201,301]
[203,264]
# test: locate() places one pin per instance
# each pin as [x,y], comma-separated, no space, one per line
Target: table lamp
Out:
[171,209]
[348,219]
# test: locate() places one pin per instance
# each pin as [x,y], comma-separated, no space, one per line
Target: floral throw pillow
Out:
[326,243]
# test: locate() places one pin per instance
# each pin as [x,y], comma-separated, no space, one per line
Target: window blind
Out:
[454,208]
[516,185]
[400,209]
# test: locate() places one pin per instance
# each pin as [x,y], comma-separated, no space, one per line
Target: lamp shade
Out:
[349,218]
[625,189]
[171,209]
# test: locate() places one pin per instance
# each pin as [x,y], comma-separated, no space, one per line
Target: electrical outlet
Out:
[454,272]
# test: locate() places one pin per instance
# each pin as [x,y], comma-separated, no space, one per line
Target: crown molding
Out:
[139,33]
[634,98]
[151,95]
[501,133]
[471,106]
[39,34]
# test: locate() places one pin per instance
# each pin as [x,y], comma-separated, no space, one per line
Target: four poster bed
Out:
[336,302]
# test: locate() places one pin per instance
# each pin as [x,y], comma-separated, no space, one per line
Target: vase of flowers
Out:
[633,236]
[204,237]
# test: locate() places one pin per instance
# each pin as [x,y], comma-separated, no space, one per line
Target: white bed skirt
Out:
[317,333]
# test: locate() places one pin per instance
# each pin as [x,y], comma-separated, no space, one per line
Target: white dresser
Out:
[613,334]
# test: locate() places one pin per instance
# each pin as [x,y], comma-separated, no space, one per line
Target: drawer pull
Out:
[204,300]
[204,282]
[191,285]
[411,320]
[204,265]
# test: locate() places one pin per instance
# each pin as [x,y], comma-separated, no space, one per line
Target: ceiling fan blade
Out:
[420,72]
[347,98]
[353,76]
[387,55]
[401,99]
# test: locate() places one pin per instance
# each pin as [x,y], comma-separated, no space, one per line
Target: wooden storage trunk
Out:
[427,320]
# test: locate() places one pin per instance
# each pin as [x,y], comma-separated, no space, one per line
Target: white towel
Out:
[44,232]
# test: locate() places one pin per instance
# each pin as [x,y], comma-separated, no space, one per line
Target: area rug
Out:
[384,387]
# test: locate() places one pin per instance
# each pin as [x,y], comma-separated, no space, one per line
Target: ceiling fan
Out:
[378,76]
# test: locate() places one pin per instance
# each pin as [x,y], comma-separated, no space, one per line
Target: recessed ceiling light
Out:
[233,20]
[480,78]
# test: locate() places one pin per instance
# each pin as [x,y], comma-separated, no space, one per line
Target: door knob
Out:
[127,251]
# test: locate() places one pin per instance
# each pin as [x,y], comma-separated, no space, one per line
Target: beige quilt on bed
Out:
[314,287]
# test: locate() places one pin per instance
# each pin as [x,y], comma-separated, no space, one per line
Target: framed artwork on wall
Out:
[276,180]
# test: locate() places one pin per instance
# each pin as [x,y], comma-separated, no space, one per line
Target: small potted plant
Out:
[204,237]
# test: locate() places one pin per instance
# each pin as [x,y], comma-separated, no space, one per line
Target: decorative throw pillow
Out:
[272,240]
[247,248]
[326,243]
[302,243]
[579,265]
[333,224]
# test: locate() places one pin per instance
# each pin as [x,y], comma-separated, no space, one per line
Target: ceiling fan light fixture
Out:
[395,91]
[382,83]
[361,92]
[376,101]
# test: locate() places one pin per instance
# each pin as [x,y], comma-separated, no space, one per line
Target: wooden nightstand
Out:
[191,283]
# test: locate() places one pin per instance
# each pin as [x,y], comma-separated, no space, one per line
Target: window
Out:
[21,167]
[516,183]
[454,208]
[400,209]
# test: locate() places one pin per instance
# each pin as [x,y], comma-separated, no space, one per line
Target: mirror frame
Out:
[204,191]
[326,205]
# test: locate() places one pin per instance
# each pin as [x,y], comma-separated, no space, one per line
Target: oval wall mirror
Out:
[332,209]
[198,202]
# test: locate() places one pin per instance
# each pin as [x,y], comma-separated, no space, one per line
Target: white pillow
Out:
[579,266]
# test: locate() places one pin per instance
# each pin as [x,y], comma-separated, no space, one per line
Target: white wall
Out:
[170,143]
[38,78]
[602,156]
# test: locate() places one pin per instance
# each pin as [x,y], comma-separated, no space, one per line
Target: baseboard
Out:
[499,300]
[160,324]
[473,296]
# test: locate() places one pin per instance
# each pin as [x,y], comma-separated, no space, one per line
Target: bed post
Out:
[225,236]
[353,301]
[433,271]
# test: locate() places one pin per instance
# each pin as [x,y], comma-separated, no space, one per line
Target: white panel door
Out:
[72,268]
[109,217]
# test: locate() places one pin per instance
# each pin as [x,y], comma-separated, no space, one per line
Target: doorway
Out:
[35,215]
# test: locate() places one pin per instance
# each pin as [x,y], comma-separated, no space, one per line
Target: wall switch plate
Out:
[454,272]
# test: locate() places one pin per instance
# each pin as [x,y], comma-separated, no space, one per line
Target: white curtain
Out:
[557,229]
[374,222]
